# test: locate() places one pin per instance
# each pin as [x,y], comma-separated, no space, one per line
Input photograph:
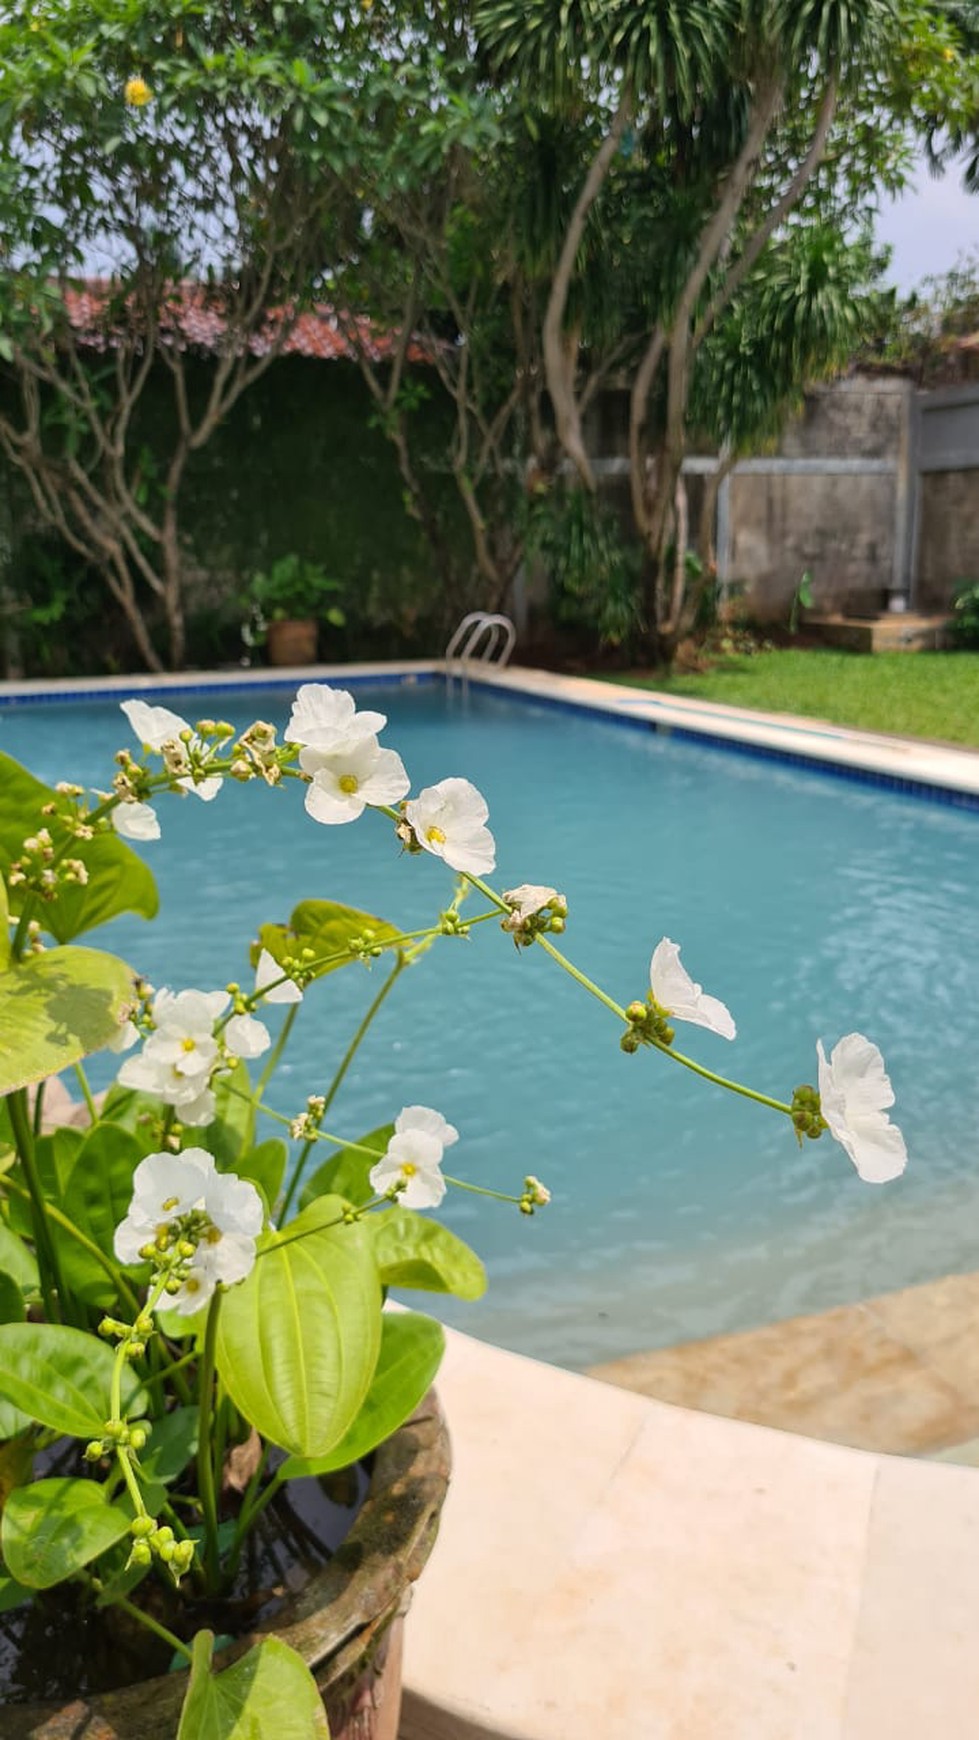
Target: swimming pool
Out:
[811,905]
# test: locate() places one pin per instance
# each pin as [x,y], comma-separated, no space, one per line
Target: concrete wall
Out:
[839,527]
[948,543]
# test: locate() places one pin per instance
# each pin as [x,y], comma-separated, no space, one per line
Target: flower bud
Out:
[141,1526]
[636,1012]
[140,1554]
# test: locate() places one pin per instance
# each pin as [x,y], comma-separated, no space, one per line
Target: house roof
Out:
[192,314]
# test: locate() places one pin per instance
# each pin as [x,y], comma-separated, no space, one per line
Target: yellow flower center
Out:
[192,1284]
[188,1045]
[213,1235]
[349,783]
[137,93]
[409,1169]
[435,837]
[170,1204]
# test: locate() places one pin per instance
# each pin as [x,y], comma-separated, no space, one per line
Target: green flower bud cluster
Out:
[807,1115]
[117,1435]
[525,927]
[366,946]
[153,1541]
[648,1024]
[40,871]
[535,1195]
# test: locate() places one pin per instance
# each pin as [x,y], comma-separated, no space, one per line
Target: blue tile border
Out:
[161,692]
[924,790]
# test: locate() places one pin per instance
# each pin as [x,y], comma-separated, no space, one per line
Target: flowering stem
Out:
[481,1190]
[267,1073]
[335,1084]
[176,1643]
[568,967]
[82,1078]
[205,1468]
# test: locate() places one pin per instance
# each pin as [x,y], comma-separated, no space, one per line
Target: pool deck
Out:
[898,1373]
[910,762]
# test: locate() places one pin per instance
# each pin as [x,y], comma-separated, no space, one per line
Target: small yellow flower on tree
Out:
[137,92]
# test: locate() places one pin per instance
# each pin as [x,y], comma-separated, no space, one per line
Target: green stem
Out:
[267,1073]
[480,1190]
[336,1083]
[176,1643]
[82,1078]
[247,1513]
[206,1485]
[581,978]
[38,1122]
[52,1284]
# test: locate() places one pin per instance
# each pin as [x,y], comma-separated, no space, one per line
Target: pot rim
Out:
[334,1622]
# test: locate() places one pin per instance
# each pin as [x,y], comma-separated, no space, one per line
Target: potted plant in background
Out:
[287,603]
[192,1338]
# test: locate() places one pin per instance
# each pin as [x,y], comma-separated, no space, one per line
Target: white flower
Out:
[432,1123]
[136,821]
[155,726]
[246,1037]
[165,1188]
[126,1037]
[168,1188]
[176,1061]
[327,719]
[413,1159]
[676,993]
[449,819]
[266,972]
[529,899]
[345,780]
[854,1089]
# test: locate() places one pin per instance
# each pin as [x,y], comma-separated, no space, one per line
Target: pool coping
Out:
[942,773]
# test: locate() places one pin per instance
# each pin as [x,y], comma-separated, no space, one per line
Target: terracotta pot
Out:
[292,641]
[346,1622]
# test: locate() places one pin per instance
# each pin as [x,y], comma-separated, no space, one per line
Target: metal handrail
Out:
[471,630]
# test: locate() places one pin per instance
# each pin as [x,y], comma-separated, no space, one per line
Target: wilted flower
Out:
[678,995]
[346,780]
[157,728]
[135,821]
[854,1090]
[449,820]
[327,719]
[266,973]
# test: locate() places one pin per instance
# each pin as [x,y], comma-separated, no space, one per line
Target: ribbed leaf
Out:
[411,1352]
[269,1694]
[61,1378]
[56,1008]
[298,1341]
[52,1528]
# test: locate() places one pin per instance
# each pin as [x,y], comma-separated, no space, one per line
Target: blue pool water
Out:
[811,905]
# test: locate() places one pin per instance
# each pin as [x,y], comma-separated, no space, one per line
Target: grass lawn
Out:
[916,694]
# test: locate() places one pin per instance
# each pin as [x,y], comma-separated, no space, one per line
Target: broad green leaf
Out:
[413,1252]
[411,1352]
[16,1464]
[118,880]
[226,1137]
[52,1528]
[172,1443]
[265,1166]
[96,1198]
[12,1593]
[325,927]
[269,1694]
[61,1377]
[12,1308]
[54,1157]
[17,1258]
[297,1342]
[344,1173]
[139,1113]
[55,1008]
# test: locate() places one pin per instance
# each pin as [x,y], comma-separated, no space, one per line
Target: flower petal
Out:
[136,821]
[677,993]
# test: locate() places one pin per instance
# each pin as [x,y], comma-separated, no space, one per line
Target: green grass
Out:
[922,694]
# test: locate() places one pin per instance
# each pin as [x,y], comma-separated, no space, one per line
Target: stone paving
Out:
[899,1373]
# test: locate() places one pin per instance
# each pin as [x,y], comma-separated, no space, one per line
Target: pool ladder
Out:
[482,638]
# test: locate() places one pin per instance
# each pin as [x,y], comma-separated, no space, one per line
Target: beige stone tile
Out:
[915,1668]
[841,1375]
[937,1322]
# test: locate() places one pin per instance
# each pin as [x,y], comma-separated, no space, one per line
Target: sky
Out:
[929,228]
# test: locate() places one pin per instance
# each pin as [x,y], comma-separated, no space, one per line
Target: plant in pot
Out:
[286,604]
[195,1358]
